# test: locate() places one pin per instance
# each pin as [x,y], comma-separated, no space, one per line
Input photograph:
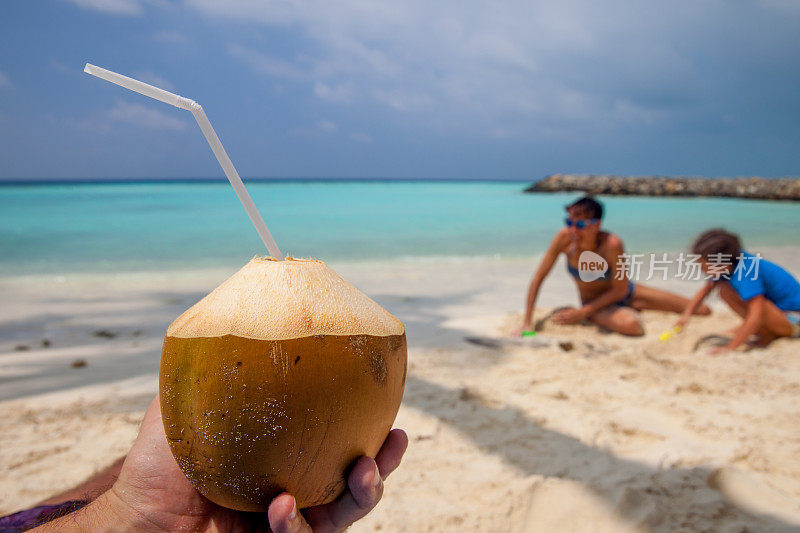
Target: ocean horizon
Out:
[70,180]
[111,225]
[10,182]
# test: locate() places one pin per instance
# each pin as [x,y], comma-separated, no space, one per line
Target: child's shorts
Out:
[794,320]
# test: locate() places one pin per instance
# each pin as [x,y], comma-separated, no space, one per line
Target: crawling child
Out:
[764,294]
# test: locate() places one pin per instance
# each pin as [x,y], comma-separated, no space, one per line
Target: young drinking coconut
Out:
[608,297]
[765,295]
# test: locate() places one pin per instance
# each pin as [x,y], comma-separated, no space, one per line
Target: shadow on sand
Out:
[672,499]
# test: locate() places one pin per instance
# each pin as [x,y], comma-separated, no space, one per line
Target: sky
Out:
[412,89]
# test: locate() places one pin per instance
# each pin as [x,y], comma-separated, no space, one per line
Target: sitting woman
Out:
[608,297]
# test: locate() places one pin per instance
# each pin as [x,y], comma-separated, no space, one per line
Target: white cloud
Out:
[144,116]
[125,115]
[515,68]
[265,64]
[342,92]
[148,76]
[5,81]
[115,7]
[170,37]
[403,99]
[58,66]
[327,126]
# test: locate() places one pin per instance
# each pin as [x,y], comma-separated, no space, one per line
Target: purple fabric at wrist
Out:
[30,518]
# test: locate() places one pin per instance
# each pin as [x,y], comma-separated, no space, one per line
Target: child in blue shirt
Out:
[765,295]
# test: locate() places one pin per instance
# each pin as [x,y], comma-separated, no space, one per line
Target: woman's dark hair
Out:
[717,242]
[588,205]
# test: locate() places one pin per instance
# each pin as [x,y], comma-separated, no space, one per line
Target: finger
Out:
[365,490]
[391,453]
[365,487]
[283,516]
[153,413]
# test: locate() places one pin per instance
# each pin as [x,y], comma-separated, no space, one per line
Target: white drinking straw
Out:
[211,137]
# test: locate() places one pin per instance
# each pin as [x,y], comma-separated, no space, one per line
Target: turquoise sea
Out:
[89,227]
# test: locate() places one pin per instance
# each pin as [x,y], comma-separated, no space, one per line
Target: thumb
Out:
[284,517]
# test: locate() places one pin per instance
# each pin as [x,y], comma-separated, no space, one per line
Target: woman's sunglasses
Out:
[580,224]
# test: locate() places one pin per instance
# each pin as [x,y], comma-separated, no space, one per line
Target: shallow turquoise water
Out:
[145,226]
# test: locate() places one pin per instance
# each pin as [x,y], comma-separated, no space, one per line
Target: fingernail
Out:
[376,478]
[293,513]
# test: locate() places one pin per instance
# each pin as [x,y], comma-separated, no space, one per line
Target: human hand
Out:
[518,331]
[153,494]
[569,315]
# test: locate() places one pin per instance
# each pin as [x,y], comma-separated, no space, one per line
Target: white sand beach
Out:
[573,430]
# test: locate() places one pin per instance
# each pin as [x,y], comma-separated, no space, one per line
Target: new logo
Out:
[591,266]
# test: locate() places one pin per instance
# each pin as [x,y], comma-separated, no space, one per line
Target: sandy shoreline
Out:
[613,434]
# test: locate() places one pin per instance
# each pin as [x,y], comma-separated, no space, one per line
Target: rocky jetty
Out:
[760,188]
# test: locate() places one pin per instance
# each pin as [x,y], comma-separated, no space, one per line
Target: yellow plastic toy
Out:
[667,335]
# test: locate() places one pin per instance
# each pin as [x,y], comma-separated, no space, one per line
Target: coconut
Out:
[279,380]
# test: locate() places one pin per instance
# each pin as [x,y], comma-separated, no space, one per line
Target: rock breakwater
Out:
[749,187]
